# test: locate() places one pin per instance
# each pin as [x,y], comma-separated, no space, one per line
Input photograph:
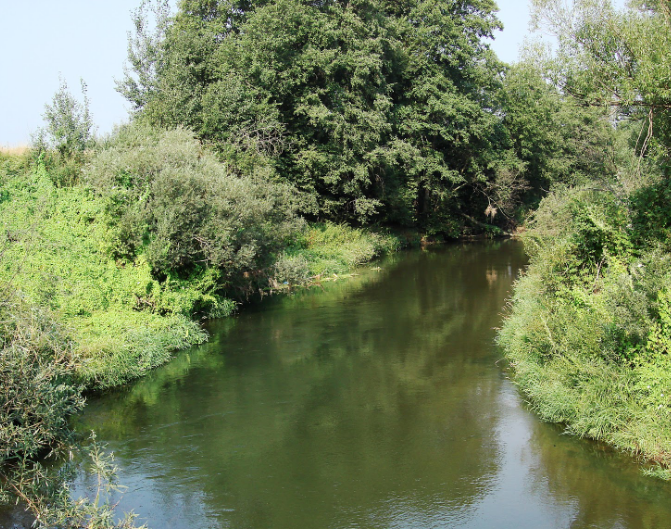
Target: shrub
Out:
[337,248]
[36,376]
[651,222]
[171,200]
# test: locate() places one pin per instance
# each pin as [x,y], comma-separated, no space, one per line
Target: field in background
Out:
[13,149]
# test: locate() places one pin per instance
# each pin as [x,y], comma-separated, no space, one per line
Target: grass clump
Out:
[329,249]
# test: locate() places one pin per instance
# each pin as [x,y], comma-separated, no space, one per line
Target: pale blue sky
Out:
[87,38]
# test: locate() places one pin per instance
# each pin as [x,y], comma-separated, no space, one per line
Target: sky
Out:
[44,40]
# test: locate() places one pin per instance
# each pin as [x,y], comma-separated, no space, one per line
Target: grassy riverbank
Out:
[120,318]
[589,335]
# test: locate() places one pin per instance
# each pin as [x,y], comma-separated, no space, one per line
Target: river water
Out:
[375,402]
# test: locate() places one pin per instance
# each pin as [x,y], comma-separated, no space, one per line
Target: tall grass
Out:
[589,334]
[327,250]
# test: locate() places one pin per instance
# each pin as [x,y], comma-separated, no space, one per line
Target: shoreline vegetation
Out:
[76,317]
[119,320]
[588,331]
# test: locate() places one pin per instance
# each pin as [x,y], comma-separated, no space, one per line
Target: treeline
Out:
[589,336]
[375,111]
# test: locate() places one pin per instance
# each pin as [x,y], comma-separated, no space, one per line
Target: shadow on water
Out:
[371,403]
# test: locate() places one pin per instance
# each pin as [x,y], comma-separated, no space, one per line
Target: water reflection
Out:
[604,487]
[374,403]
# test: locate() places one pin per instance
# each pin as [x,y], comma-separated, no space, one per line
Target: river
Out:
[373,402]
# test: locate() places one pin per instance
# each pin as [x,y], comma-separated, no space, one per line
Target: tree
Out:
[69,126]
[555,137]
[378,109]
[616,58]
[144,52]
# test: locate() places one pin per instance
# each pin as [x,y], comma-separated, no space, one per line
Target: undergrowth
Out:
[327,250]
[589,333]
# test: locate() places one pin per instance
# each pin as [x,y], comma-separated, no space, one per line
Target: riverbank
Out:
[120,320]
[75,317]
[589,334]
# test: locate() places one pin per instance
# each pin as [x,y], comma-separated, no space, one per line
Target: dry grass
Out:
[14,150]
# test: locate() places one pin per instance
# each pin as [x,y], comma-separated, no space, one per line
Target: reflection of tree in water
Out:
[346,403]
[606,489]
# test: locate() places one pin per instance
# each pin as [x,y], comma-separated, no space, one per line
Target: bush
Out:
[171,200]
[651,222]
[589,334]
[37,369]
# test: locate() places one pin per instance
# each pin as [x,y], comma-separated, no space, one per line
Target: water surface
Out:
[376,402]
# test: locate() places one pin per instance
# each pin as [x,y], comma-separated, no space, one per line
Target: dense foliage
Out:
[56,258]
[251,116]
[616,58]
[385,111]
[589,336]
[170,200]
[556,139]
[36,371]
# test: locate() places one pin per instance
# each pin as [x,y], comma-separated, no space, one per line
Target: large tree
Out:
[616,58]
[372,107]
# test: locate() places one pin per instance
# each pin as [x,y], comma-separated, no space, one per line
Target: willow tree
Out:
[616,58]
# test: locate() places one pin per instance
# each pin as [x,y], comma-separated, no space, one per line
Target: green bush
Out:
[651,222]
[337,248]
[589,334]
[171,200]
[38,397]
[37,368]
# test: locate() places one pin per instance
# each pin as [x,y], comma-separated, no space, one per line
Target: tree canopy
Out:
[377,109]
[616,58]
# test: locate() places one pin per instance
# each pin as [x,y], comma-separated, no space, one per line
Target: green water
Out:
[377,402]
